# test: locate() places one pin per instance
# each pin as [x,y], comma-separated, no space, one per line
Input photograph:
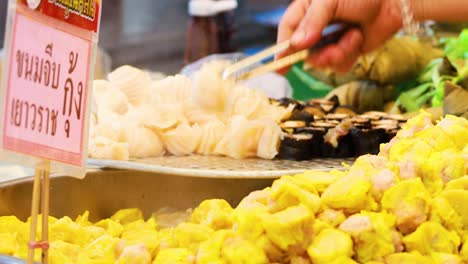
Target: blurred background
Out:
[152,33]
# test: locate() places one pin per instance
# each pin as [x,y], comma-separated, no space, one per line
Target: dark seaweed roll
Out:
[318,134]
[361,123]
[348,110]
[302,116]
[293,125]
[336,117]
[296,147]
[314,110]
[390,132]
[289,101]
[377,113]
[337,141]
[325,105]
[367,141]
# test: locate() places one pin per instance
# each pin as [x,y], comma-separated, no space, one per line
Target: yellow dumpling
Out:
[290,227]
[11,224]
[173,256]
[442,212]
[350,193]
[372,234]
[147,237]
[408,258]
[458,199]
[209,251]
[239,250]
[460,183]
[456,128]
[215,213]
[127,216]
[63,252]
[285,193]
[329,245]
[189,235]
[100,251]
[317,181]
[409,201]
[136,254]
[443,258]
[442,167]
[432,237]
[8,243]
[112,227]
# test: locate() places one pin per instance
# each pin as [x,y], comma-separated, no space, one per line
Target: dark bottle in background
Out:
[210,28]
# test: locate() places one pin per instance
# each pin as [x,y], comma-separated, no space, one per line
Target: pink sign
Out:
[46,92]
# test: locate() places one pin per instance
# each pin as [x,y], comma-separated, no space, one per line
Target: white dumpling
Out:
[158,118]
[209,89]
[107,96]
[240,140]
[274,113]
[182,140]
[133,82]
[142,142]
[245,101]
[195,115]
[115,100]
[269,141]
[100,87]
[105,116]
[211,133]
[105,148]
[168,116]
[172,89]
[110,131]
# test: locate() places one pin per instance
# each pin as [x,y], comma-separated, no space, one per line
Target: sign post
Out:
[50,48]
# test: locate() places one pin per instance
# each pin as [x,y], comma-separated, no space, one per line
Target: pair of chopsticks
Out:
[242,69]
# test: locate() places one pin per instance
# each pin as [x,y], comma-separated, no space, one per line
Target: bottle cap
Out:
[207,8]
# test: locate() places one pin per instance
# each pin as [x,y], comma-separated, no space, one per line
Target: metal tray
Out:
[222,167]
[104,192]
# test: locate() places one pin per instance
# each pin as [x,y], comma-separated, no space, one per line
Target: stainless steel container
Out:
[105,192]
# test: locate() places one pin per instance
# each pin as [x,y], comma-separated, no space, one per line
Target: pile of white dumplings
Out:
[135,117]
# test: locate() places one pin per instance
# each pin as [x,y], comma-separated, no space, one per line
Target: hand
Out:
[305,20]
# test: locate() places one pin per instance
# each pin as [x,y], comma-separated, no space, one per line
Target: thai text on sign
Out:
[49,60]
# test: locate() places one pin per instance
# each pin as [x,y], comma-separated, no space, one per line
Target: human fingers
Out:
[291,19]
[350,45]
[345,52]
[319,14]
[288,24]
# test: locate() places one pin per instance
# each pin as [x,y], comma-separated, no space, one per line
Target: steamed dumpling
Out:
[107,96]
[211,134]
[244,101]
[195,115]
[269,141]
[172,89]
[274,113]
[182,140]
[105,148]
[209,89]
[109,131]
[107,117]
[142,142]
[241,139]
[157,118]
[133,82]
